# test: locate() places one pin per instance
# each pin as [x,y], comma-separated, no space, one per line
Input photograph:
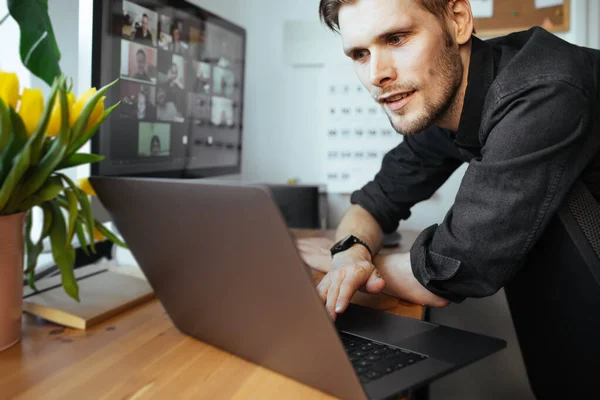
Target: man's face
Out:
[145,24]
[176,35]
[141,63]
[405,58]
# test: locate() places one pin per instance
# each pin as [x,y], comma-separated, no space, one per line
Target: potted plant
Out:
[38,141]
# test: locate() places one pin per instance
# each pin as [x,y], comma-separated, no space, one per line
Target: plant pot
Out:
[12,252]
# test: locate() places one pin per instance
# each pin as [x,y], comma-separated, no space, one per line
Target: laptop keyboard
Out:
[373,360]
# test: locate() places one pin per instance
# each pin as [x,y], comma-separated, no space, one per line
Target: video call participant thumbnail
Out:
[222,112]
[140,24]
[138,62]
[154,140]
[166,110]
[199,108]
[172,76]
[223,82]
[138,101]
[202,80]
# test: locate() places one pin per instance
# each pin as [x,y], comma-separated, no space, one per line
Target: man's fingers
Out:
[332,296]
[375,284]
[323,288]
[352,282]
[347,289]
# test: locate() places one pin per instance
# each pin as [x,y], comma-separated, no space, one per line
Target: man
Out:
[144,35]
[522,110]
[140,59]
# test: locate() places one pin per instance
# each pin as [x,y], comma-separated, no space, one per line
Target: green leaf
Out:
[22,163]
[5,126]
[55,154]
[81,237]
[83,138]
[109,235]
[40,132]
[38,48]
[62,252]
[84,116]
[32,251]
[13,202]
[73,213]
[49,191]
[78,159]
[47,220]
[86,209]
[18,139]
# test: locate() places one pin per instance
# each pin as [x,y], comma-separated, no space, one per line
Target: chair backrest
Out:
[299,205]
[555,302]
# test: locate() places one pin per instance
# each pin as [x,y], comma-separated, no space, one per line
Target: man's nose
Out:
[383,70]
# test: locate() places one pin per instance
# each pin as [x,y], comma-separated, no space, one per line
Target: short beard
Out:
[449,65]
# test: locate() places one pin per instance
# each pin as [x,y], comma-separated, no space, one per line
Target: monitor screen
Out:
[181,80]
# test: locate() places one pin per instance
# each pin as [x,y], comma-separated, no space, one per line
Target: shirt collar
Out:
[482,71]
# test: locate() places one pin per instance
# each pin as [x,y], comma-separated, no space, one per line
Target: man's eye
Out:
[396,39]
[359,55]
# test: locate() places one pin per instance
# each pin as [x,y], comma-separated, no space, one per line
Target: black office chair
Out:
[300,205]
[555,302]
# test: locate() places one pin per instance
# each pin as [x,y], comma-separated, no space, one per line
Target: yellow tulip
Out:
[96,114]
[98,236]
[9,89]
[55,122]
[31,108]
[86,186]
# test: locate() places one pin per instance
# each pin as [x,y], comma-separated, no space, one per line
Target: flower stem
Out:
[4,18]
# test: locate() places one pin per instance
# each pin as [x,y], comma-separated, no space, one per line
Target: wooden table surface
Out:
[141,355]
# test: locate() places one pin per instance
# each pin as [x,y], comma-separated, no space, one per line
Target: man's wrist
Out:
[357,250]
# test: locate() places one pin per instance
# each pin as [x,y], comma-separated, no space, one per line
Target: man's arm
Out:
[411,172]
[538,142]
[358,222]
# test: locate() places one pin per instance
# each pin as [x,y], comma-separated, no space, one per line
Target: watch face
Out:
[346,241]
[343,244]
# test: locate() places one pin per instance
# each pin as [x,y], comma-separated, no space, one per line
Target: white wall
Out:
[581,30]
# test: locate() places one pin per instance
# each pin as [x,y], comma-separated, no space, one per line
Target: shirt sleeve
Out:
[538,143]
[411,172]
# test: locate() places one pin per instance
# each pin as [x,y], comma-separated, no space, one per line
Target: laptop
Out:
[223,263]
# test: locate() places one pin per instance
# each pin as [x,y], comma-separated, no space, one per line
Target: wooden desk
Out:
[141,355]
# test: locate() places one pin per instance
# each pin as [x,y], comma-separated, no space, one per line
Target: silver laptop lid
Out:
[223,264]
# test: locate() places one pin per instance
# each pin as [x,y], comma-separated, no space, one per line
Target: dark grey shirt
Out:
[529,129]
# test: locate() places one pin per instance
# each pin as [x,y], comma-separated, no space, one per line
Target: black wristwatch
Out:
[346,243]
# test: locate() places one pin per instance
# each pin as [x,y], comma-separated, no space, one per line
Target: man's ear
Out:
[462,20]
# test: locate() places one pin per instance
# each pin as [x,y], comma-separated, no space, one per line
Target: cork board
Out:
[518,15]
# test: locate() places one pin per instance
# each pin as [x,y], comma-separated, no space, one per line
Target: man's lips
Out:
[396,101]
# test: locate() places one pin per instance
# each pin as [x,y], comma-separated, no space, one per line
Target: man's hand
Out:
[350,270]
[401,282]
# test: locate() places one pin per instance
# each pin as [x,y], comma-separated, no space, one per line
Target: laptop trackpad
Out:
[379,325]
